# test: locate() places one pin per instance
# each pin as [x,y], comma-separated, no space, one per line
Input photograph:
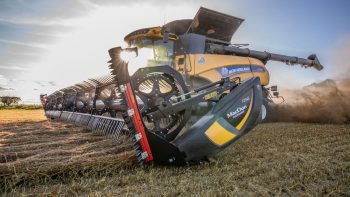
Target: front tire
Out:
[265,110]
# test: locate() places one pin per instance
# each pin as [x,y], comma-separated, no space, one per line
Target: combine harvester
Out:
[182,91]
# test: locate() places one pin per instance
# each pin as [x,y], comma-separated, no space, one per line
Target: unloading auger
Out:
[181,91]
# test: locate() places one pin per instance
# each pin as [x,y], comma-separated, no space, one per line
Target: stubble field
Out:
[41,157]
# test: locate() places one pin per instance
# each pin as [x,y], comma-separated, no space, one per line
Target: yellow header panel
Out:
[218,134]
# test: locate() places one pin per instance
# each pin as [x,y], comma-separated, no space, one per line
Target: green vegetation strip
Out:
[23,107]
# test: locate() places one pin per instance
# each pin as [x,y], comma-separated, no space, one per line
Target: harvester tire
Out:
[265,111]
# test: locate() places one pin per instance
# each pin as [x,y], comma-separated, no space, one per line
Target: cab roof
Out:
[209,23]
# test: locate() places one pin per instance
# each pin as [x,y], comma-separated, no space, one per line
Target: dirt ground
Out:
[40,157]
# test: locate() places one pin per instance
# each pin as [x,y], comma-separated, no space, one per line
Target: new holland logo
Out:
[237,112]
[201,60]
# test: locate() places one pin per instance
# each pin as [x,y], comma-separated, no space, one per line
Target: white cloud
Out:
[81,52]
[84,53]
[17,68]
[38,45]
[29,91]
[3,80]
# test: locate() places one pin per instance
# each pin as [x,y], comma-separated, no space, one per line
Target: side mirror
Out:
[273,88]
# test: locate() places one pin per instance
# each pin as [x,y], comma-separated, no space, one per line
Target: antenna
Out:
[164,18]
[240,45]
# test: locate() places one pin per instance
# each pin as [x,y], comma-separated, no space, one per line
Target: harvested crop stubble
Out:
[34,151]
[288,159]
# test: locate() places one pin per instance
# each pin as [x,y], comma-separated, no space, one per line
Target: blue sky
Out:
[47,44]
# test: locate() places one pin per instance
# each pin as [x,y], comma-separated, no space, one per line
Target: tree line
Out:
[9,100]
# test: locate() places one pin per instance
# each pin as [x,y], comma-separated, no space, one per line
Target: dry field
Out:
[14,116]
[40,157]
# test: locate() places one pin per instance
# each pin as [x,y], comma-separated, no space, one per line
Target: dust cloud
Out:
[325,102]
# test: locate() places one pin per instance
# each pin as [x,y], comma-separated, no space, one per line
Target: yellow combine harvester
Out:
[201,51]
[184,73]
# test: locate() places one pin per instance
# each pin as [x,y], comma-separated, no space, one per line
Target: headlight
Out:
[144,55]
[127,55]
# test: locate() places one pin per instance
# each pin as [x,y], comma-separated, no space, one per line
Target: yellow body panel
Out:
[218,134]
[152,32]
[205,65]
[208,65]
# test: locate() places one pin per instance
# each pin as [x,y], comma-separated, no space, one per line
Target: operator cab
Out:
[160,45]
[155,50]
[152,50]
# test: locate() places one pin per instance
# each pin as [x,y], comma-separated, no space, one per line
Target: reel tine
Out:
[63,114]
[110,124]
[66,116]
[82,121]
[89,125]
[73,117]
[111,128]
[119,129]
[115,130]
[87,119]
[112,131]
[95,124]
[103,123]
[77,119]
[70,117]
[105,128]
[101,126]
